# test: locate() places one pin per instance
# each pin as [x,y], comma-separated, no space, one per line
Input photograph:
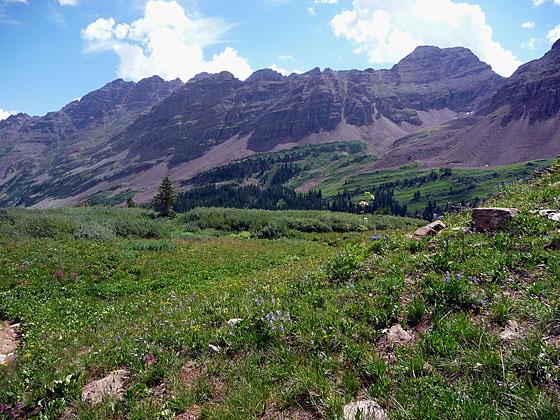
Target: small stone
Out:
[430,230]
[490,219]
[364,410]
[214,349]
[511,331]
[551,214]
[113,385]
[397,335]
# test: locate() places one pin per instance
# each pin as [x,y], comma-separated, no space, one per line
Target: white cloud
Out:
[387,30]
[6,114]
[538,3]
[166,41]
[531,43]
[528,25]
[311,11]
[325,1]
[554,34]
[284,71]
[68,2]
[285,57]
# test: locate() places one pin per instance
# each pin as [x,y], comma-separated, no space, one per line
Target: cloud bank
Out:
[5,114]
[166,41]
[388,30]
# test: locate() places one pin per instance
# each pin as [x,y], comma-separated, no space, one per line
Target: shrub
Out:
[270,231]
[95,231]
[344,264]
[45,227]
[138,228]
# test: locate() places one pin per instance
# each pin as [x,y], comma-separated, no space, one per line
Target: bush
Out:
[343,265]
[270,231]
[138,228]
[40,227]
[95,232]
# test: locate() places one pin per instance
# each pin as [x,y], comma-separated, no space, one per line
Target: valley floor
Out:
[205,319]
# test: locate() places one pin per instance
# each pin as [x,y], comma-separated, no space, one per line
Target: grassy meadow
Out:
[312,295]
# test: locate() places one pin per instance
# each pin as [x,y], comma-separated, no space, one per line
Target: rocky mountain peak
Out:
[264,75]
[428,64]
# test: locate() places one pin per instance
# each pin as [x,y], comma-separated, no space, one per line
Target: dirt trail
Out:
[9,338]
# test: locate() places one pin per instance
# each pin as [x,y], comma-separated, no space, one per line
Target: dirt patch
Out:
[193,413]
[9,339]
[219,389]
[293,413]
[113,385]
[190,374]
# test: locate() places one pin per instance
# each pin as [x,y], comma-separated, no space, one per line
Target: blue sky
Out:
[53,51]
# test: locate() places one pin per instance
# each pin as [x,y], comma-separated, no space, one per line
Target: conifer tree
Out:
[163,201]
[130,203]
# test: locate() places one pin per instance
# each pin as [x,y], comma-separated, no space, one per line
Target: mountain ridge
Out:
[125,136]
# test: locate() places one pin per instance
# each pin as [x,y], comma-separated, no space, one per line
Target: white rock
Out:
[114,385]
[511,331]
[213,348]
[364,410]
[233,322]
[398,335]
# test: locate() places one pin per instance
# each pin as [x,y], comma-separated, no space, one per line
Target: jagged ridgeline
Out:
[436,108]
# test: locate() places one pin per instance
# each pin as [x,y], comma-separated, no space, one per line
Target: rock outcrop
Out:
[364,410]
[113,385]
[490,219]
[430,230]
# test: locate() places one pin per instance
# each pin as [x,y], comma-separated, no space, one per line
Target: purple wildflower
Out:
[149,359]
[375,237]
[58,274]
[447,277]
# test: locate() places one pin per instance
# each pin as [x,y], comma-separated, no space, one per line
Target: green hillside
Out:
[208,320]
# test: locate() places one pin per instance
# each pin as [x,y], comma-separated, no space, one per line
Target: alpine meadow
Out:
[231,229]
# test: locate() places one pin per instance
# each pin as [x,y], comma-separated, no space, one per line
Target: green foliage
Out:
[301,322]
[343,265]
[165,198]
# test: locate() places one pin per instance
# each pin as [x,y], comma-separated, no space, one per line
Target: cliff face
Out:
[532,92]
[271,110]
[520,122]
[43,156]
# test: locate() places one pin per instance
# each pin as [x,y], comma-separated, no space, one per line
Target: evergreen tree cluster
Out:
[274,197]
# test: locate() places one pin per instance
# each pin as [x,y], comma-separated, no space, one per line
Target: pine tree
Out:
[163,201]
[130,203]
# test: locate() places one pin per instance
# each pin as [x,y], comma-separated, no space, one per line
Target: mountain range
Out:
[435,108]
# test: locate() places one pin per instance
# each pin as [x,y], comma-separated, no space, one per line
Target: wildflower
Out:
[149,359]
[58,274]
[74,276]
[118,338]
[375,237]
[447,277]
